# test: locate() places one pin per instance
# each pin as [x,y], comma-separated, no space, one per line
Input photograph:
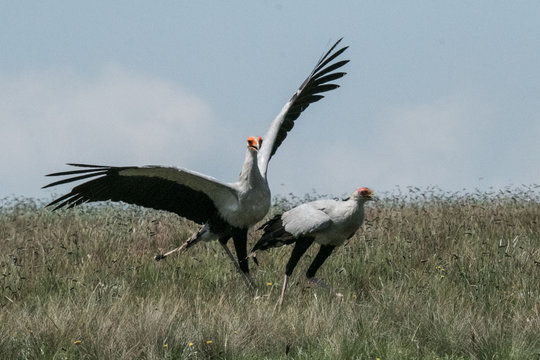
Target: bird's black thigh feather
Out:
[322,255]
[299,249]
[240,245]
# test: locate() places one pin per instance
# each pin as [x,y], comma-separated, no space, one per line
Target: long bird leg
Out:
[240,246]
[322,255]
[285,282]
[188,243]
[178,249]
[299,249]
[245,276]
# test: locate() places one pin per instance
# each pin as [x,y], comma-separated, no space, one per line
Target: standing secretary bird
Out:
[327,222]
[224,210]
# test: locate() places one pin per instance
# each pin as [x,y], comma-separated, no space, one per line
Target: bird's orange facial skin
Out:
[253,143]
[365,192]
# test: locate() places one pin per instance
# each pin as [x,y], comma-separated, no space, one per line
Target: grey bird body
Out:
[327,222]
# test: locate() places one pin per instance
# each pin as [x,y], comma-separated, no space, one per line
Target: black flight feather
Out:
[317,82]
[148,191]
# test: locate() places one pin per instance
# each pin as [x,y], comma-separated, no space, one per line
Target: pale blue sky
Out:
[444,94]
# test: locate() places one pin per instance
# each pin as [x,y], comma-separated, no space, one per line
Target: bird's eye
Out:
[260,141]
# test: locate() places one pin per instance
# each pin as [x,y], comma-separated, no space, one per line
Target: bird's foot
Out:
[159,257]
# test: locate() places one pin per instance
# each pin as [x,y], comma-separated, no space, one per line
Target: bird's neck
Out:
[250,171]
[357,204]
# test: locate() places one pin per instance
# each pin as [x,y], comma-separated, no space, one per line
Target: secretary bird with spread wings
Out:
[327,222]
[224,210]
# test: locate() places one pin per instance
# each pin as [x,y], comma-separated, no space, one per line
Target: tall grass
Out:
[430,275]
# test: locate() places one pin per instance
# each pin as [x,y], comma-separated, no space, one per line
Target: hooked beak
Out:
[253,143]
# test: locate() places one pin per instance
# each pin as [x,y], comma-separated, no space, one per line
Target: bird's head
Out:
[254,143]
[365,193]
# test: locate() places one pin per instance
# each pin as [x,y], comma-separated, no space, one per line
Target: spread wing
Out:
[317,82]
[186,193]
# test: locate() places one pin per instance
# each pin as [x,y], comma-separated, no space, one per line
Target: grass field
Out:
[430,275]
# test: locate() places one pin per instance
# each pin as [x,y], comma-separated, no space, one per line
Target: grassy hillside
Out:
[430,275]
